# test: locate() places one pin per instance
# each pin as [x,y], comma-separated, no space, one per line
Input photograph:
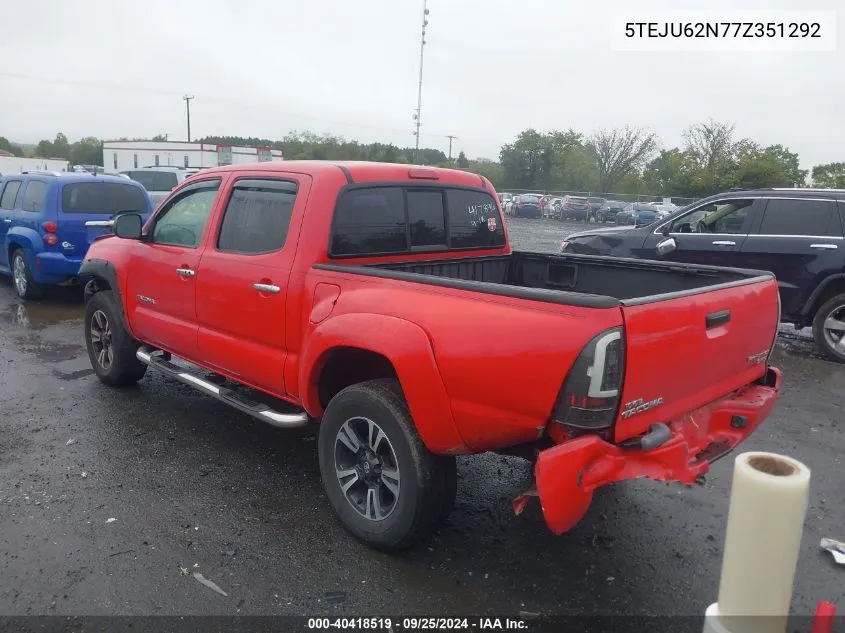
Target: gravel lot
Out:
[189,481]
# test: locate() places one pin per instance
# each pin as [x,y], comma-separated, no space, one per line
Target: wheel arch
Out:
[830,287]
[385,343]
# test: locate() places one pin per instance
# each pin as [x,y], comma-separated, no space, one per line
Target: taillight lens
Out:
[589,399]
[50,239]
[50,227]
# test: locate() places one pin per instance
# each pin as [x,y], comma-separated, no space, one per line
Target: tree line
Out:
[622,160]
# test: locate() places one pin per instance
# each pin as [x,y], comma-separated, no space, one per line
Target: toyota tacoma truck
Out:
[383,303]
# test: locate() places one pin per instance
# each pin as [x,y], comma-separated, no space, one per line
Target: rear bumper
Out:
[51,267]
[567,474]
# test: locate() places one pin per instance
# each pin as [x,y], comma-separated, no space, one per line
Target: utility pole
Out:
[187,99]
[451,137]
[418,113]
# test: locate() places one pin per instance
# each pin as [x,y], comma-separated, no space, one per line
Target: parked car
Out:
[505,199]
[158,181]
[333,289]
[594,205]
[609,210]
[554,208]
[638,214]
[527,205]
[43,219]
[795,233]
[575,208]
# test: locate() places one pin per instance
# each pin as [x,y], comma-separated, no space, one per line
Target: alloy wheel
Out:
[366,468]
[101,339]
[834,329]
[19,274]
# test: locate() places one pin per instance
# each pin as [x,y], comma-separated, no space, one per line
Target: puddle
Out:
[35,315]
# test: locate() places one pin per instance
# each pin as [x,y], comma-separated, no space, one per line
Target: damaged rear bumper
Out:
[567,474]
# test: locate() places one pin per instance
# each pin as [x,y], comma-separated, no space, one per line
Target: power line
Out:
[418,115]
[451,137]
[187,99]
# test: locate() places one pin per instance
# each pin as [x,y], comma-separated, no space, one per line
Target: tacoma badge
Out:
[639,406]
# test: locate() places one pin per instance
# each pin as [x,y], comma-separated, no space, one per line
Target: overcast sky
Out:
[114,68]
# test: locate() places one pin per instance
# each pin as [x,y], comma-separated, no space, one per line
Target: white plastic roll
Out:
[765,522]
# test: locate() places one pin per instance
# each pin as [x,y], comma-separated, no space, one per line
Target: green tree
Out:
[463,161]
[490,170]
[7,146]
[829,176]
[87,151]
[621,152]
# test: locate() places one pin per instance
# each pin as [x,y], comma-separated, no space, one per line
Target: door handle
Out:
[830,246]
[269,288]
[715,319]
[724,243]
[185,272]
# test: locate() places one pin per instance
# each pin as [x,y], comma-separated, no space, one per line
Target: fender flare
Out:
[25,238]
[808,305]
[407,346]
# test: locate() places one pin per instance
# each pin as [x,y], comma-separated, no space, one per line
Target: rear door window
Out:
[257,217]
[800,217]
[10,193]
[370,221]
[145,178]
[35,196]
[103,198]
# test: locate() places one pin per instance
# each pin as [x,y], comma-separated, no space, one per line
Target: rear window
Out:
[102,197]
[154,180]
[392,220]
[529,198]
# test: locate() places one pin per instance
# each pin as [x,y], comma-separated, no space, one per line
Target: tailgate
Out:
[685,352]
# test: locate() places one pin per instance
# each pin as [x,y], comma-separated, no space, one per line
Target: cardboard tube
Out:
[765,522]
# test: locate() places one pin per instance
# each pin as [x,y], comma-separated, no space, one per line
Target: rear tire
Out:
[111,347]
[22,280]
[388,512]
[831,340]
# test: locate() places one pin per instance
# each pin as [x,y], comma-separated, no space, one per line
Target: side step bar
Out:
[148,356]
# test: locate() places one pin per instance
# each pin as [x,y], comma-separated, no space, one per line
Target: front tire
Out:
[111,349]
[384,485]
[22,280]
[829,328]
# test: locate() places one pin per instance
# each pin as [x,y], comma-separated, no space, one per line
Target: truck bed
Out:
[569,279]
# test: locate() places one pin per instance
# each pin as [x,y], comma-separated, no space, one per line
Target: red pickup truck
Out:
[384,302]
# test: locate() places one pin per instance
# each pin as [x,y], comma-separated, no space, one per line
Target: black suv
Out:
[795,233]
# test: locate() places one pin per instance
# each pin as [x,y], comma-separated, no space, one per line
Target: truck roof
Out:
[363,171]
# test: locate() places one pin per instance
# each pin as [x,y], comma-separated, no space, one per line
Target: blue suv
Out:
[43,217]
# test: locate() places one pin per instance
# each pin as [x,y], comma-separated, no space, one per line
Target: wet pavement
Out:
[106,495]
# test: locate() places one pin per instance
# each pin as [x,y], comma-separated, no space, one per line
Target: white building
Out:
[16,165]
[123,155]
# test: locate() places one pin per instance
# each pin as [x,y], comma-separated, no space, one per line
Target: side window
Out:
[114,157]
[34,196]
[7,201]
[800,217]
[186,160]
[474,220]
[163,180]
[135,161]
[730,217]
[182,222]
[426,218]
[369,221]
[156,160]
[257,217]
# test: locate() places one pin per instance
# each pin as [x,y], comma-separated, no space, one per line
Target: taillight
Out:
[589,399]
[50,239]
[50,227]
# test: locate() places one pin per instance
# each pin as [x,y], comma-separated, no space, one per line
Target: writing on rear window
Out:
[480,213]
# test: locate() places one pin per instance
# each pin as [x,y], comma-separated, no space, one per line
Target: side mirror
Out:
[664,247]
[128,226]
